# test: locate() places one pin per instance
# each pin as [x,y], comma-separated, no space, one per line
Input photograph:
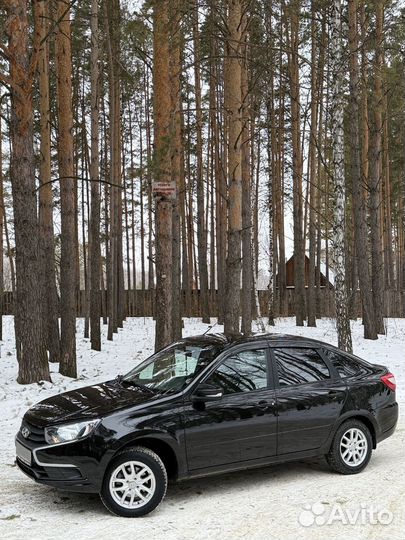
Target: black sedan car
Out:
[206,405]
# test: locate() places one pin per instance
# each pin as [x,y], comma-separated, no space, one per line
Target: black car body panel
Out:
[240,430]
[89,402]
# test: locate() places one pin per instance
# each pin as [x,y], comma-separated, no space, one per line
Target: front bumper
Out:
[71,466]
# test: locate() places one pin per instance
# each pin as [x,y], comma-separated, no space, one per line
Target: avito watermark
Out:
[319,514]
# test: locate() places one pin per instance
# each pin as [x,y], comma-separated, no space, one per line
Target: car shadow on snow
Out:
[178,494]
[247,478]
[303,475]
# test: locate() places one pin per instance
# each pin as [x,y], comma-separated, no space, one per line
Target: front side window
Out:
[241,372]
[173,368]
[299,366]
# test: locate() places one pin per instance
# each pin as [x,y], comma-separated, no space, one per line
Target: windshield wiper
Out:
[142,387]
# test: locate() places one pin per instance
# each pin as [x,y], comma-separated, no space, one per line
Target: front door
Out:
[242,425]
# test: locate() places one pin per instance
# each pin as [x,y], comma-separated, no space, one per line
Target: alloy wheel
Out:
[353,447]
[132,484]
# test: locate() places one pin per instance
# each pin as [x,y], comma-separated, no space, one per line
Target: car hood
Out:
[86,403]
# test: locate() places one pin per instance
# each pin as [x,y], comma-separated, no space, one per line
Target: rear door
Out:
[243,424]
[310,397]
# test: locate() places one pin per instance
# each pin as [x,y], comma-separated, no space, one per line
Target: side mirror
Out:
[207,392]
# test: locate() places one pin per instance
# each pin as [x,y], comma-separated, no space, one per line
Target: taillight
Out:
[389,381]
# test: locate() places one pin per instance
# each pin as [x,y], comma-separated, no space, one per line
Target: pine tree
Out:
[357,191]
[68,281]
[233,106]
[29,331]
[95,251]
[162,173]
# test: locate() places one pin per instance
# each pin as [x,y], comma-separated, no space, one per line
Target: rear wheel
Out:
[135,483]
[351,448]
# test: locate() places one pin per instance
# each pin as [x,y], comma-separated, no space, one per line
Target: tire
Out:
[135,483]
[351,448]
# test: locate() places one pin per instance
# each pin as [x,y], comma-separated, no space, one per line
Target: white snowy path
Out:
[262,504]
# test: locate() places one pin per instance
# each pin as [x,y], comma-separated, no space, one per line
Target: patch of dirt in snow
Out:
[264,504]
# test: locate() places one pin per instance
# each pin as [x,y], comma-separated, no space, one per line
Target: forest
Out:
[232,160]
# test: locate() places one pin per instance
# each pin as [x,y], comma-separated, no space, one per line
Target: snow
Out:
[263,504]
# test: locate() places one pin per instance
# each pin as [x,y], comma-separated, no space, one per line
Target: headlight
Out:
[70,432]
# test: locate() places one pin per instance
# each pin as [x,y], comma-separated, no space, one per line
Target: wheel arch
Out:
[362,416]
[160,446]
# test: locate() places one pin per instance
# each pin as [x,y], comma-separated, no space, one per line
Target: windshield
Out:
[173,368]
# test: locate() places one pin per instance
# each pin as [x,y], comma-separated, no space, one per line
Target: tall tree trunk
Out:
[95,248]
[47,246]
[218,163]
[31,350]
[68,278]
[213,145]
[360,222]
[282,271]
[299,243]
[233,104]
[247,262]
[311,308]
[116,273]
[274,195]
[201,229]
[377,273]
[105,174]
[85,201]
[141,212]
[320,164]
[389,264]
[151,262]
[176,159]
[2,215]
[162,172]
[337,114]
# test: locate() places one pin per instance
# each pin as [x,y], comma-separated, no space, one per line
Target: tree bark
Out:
[311,308]
[233,104]
[2,213]
[31,350]
[46,232]
[68,278]
[176,159]
[360,222]
[95,248]
[162,173]
[201,229]
[116,273]
[247,261]
[299,243]
[377,270]
[339,229]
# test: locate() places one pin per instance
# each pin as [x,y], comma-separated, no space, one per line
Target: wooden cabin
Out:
[289,265]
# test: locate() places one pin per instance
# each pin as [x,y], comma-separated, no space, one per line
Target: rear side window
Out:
[299,366]
[345,366]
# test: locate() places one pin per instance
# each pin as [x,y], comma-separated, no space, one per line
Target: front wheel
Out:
[135,483]
[351,448]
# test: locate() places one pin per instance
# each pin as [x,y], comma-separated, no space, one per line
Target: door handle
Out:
[333,394]
[265,404]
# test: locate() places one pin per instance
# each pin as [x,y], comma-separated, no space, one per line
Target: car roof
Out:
[224,341]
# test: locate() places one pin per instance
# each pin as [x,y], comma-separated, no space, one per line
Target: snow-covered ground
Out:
[280,502]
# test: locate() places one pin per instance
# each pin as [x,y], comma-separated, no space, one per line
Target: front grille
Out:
[36,434]
[35,471]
